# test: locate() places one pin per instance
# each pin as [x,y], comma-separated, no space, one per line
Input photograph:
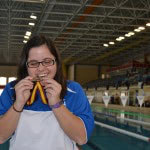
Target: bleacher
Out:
[120,80]
[131,81]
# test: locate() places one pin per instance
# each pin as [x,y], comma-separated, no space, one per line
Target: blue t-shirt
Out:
[75,100]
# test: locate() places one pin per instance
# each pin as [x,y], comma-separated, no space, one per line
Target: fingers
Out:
[52,89]
[46,81]
[26,80]
[24,84]
[52,84]
[22,89]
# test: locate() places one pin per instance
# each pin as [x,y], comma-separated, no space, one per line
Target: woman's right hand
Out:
[23,91]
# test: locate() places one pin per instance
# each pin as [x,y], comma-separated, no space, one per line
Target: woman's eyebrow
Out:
[32,60]
[48,58]
[42,59]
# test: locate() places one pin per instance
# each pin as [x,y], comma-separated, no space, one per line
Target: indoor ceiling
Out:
[79,29]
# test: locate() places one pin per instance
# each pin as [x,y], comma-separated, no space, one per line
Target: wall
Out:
[70,74]
[8,71]
[86,73]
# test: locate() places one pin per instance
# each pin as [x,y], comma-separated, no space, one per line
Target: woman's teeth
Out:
[42,75]
[39,77]
[36,79]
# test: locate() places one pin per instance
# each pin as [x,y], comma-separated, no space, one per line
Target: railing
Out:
[129,133]
[134,121]
[125,119]
[141,137]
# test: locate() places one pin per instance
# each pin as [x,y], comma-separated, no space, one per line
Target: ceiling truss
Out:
[79,29]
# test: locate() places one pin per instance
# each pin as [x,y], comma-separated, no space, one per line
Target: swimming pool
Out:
[106,139]
[4,146]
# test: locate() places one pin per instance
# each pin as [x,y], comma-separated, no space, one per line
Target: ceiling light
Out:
[26,37]
[148,24]
[112,43]
[118,39]
[106,45]
[131,33]
[33,17]
[137,30]
[28,33]
[31,23]
[127,35]
[121,37]
[24,41]
[141,28]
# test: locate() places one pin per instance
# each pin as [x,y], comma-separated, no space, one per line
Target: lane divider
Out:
[141,137]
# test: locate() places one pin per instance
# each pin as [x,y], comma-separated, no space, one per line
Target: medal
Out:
[37,87]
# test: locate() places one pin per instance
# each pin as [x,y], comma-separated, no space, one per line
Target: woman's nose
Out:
[41,67]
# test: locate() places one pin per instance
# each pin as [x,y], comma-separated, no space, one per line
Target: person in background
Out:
[60,124]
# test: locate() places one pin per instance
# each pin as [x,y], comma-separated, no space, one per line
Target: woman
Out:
[65,120]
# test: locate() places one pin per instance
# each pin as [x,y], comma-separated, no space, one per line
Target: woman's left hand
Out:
[52,89]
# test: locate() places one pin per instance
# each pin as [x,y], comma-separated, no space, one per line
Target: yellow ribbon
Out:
[37,86]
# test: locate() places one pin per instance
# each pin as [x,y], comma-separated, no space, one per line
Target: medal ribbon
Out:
[39,87]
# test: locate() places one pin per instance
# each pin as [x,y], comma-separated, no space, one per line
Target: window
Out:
[3,81]
[11,79]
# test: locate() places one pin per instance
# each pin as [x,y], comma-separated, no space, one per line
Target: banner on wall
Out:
[90,98]
[140,96]
[124,100]
[124,97]
[140,100]
[106,100]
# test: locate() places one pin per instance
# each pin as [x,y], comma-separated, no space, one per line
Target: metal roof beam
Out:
[71,18]
[43,16]
[123,8]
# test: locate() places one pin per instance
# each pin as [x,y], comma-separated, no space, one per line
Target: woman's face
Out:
[41,54]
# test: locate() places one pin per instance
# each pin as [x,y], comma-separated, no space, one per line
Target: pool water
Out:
[4,146]
[106,139]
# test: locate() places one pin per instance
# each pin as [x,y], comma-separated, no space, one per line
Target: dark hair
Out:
[37,41]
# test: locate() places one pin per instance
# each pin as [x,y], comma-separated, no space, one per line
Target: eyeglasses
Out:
[36,64]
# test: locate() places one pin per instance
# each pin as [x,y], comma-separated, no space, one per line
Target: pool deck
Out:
[143,110]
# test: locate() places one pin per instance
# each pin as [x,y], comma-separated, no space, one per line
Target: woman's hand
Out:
[22,89]
[52,89]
